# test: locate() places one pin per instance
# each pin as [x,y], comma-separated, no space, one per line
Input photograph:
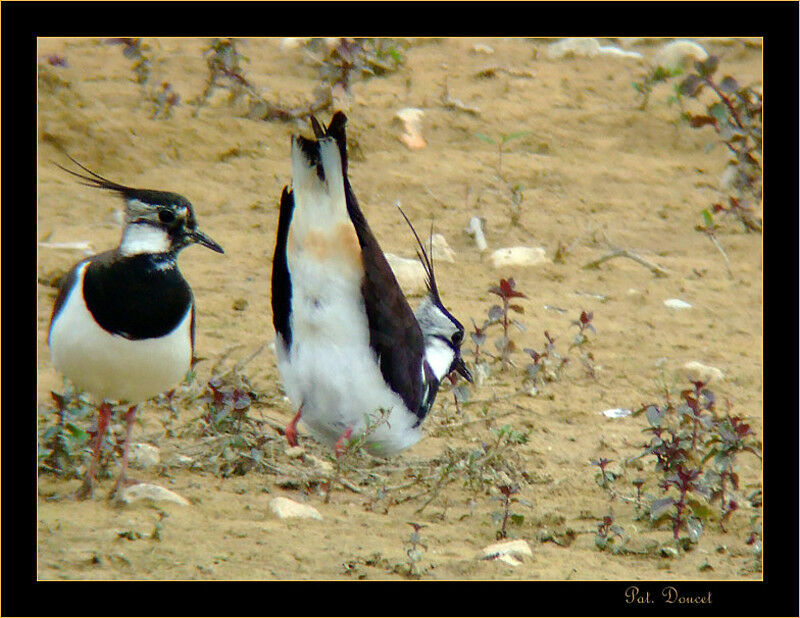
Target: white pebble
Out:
[677,303]
[411,119]
[149,491]
[617,413]
[295,452]
[482,48]
[518,256]
[475,229]
[284,508]
[293,42]
[510,552]
[574,46]
[679,55]
[704,373]
[143,455]
[610,50]
[441,250]
[323,466]
[409,274]
[182,460]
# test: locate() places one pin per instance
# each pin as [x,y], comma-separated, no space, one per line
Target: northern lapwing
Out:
[350,350]
[123,323]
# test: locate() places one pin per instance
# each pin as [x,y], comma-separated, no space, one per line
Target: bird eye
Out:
[166,216]
[457,337]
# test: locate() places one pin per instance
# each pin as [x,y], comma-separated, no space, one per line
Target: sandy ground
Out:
[593,167]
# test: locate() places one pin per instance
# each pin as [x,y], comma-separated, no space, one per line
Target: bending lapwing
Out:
[123,324]
[351,352]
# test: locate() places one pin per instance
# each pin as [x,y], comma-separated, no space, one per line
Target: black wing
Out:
[394,332]
[281,283]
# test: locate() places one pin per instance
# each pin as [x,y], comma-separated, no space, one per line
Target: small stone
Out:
[295,452]
[293,42]
[141,455]
[697,371]
[518,256]
[574,46]
[149,491]
[508,559]
[668,552]
[410,274]
[284,508]
[183,461]
[475,229]
[677,303]
[617,413]
[323,466]
[441,250]
[610,50]
[679,55]
[411,119]
[482,48]
[510,552]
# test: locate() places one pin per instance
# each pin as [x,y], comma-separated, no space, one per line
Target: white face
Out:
[440,357]
[437,329]
[144,238]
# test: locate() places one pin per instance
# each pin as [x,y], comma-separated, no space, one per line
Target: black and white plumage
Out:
[123,323]
[348,344]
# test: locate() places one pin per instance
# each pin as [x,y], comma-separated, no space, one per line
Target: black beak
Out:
[200,238]
[459,367]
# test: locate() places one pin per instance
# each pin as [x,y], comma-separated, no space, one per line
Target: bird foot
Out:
[291,429]
[339,447]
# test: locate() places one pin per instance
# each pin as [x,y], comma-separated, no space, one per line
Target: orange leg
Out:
[338,448]
[87,489]
[291,429]
[130,415]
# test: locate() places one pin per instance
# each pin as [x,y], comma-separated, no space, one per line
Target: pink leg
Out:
[104,417]
[338,448]
[130,415]
[291,429]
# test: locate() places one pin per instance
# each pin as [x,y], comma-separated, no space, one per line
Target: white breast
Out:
[331,369]
[110,366]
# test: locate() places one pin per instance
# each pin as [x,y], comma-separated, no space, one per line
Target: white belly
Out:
[331,370]
[113,367]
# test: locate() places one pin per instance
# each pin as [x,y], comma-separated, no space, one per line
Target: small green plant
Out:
[610,536]
[582,342]
[695,450]
[506,516]
[164,98]
[506,290]
[226,404]
[224,62]
[138,51]
[414,553]
[349,445]
[339,63]
[62,445]
[736,116]
[547,365]
[500,143]
[654,75]
[604,477]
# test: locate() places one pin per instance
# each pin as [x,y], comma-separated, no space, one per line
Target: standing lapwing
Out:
[123,324]
[350,349]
